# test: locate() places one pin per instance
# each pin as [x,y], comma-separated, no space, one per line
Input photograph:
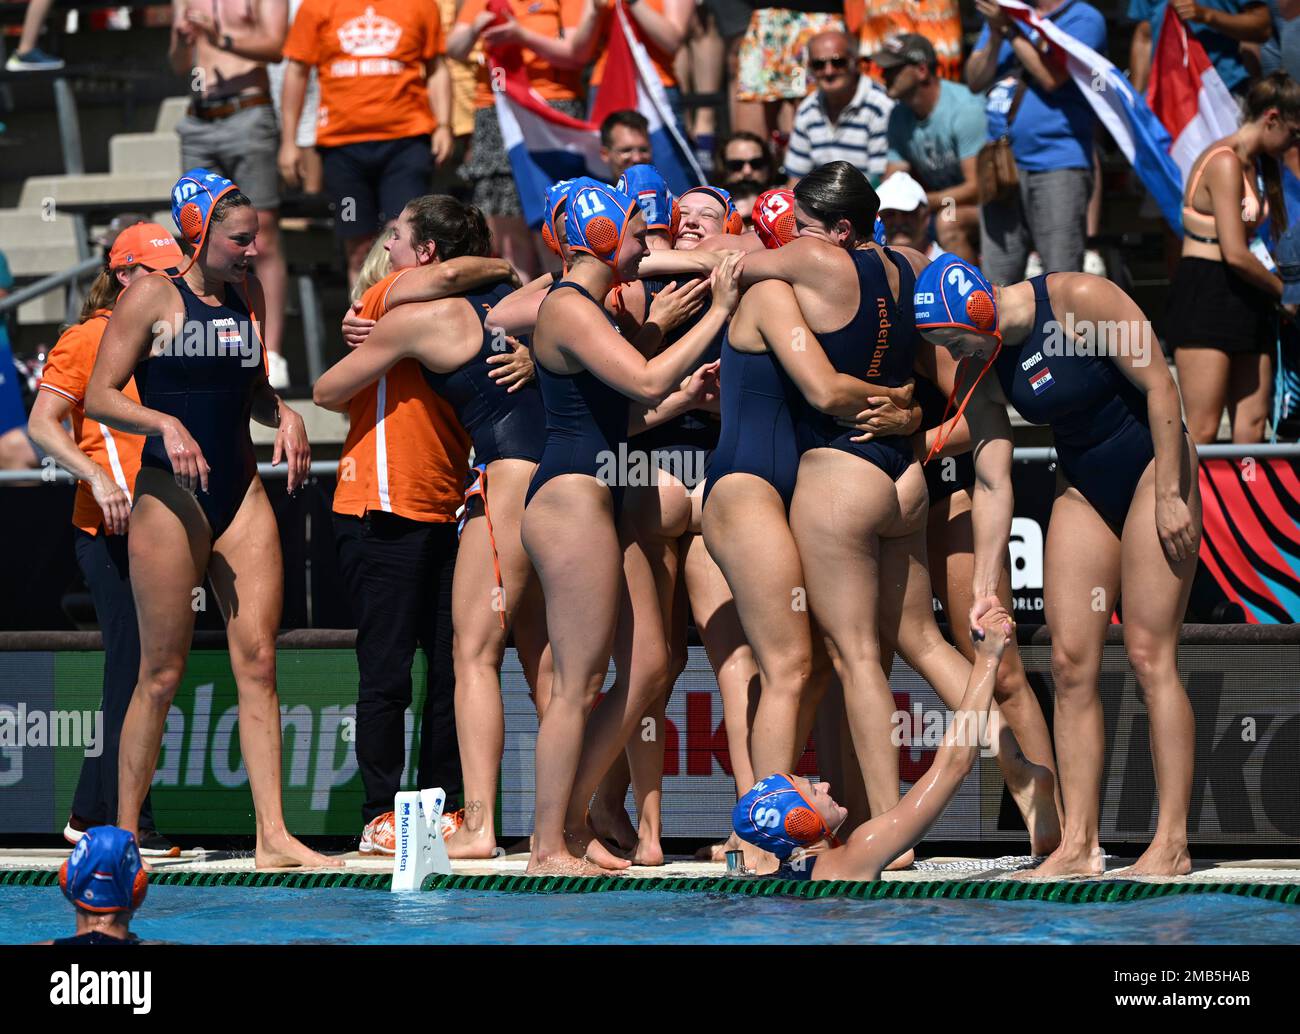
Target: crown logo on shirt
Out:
[370,35]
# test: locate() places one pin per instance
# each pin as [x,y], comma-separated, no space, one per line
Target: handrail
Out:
[1023,454]
[53,282]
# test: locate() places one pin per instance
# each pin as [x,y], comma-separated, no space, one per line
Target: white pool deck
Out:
[1255,870]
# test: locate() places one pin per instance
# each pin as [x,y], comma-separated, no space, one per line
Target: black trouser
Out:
[103,562]
[398,573]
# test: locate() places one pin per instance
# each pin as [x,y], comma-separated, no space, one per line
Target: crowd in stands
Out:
[369,101]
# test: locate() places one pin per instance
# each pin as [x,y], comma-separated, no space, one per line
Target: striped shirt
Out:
[857,137]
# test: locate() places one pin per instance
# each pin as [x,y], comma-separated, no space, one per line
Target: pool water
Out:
[241,915]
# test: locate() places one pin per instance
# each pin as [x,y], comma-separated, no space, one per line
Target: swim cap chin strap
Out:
[194,197]
[596,219]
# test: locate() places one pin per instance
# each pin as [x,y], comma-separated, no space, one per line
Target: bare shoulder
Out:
[917,259]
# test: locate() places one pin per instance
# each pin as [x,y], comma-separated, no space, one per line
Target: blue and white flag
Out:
[545,145]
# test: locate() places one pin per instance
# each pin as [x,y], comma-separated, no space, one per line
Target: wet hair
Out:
[1281,92]
[235,199]
[838,191]
[455,227]
[628,118]
[376,266]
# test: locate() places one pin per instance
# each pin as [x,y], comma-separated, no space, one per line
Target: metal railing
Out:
[1023,454]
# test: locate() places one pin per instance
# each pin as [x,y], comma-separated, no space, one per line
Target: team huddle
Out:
[827,451]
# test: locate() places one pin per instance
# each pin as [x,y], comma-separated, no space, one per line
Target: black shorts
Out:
[731,16]
[1210,306]
[370,182]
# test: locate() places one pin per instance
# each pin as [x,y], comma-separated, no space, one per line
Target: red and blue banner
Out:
[545,145]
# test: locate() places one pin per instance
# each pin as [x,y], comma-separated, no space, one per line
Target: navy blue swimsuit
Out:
[758,404]
[1097,416]
[205,380]
[960,468]
[500,423]
[877,345]
[586,421]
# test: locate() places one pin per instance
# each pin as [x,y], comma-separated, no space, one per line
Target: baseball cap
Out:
[900,193]
[145,244]
[104,872]
[910,48]
[1288,264]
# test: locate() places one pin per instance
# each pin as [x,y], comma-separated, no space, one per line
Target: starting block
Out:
[420,849]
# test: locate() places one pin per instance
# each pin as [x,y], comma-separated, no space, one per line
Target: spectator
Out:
[105,881]
[935,131]
[746,167]
[230,127]
[906,214]
[939,21]
[771,79]
[312,177]
[659,24]
[624,141]
[712,45]
[29,57]
[845,119]
[16,449]
[1221,319]
[556,37]
[464,81]
[1051,134]
[1220,26]
[385,114]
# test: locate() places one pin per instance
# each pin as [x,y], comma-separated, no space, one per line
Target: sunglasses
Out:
[838,62]
[741,164]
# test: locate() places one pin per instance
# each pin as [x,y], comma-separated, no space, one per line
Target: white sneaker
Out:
[1033,265]
[277,370]
[1093,262]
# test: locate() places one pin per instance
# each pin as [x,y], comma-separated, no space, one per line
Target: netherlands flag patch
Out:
[1041,381]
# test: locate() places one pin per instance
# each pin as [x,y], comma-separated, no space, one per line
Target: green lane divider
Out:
[1073,893]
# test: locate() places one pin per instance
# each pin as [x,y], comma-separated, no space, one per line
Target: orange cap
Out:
[145,244]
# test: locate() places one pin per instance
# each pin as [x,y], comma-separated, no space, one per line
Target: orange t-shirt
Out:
[406,452]
[663,62]
[370,57]
[66,373]
[546,18]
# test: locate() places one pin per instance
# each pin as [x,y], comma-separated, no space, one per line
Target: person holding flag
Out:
[552,40]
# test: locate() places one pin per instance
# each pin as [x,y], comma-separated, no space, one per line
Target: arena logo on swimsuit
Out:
[882,339]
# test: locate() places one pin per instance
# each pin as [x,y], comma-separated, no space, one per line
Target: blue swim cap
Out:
[596,218]
[104,872]
[777,817]
[731,220]
[555,196]
[950,292]
[194,197]
[878,235]
[644,185]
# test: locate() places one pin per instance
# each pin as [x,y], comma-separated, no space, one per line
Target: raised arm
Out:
[573,48]
[877,842]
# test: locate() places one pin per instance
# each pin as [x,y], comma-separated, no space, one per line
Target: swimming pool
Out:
[242,915]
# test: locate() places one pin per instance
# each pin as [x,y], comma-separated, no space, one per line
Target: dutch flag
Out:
[1141,136]
[545,145]
[1187,94]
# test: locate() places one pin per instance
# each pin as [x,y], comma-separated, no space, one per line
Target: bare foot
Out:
[285,851]
[648,852]
[718,852]
[583,843]
[1161,860]
[1033,788]
[903,861]
[561,865]
[1066,861]
[479,844]
[612,824]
